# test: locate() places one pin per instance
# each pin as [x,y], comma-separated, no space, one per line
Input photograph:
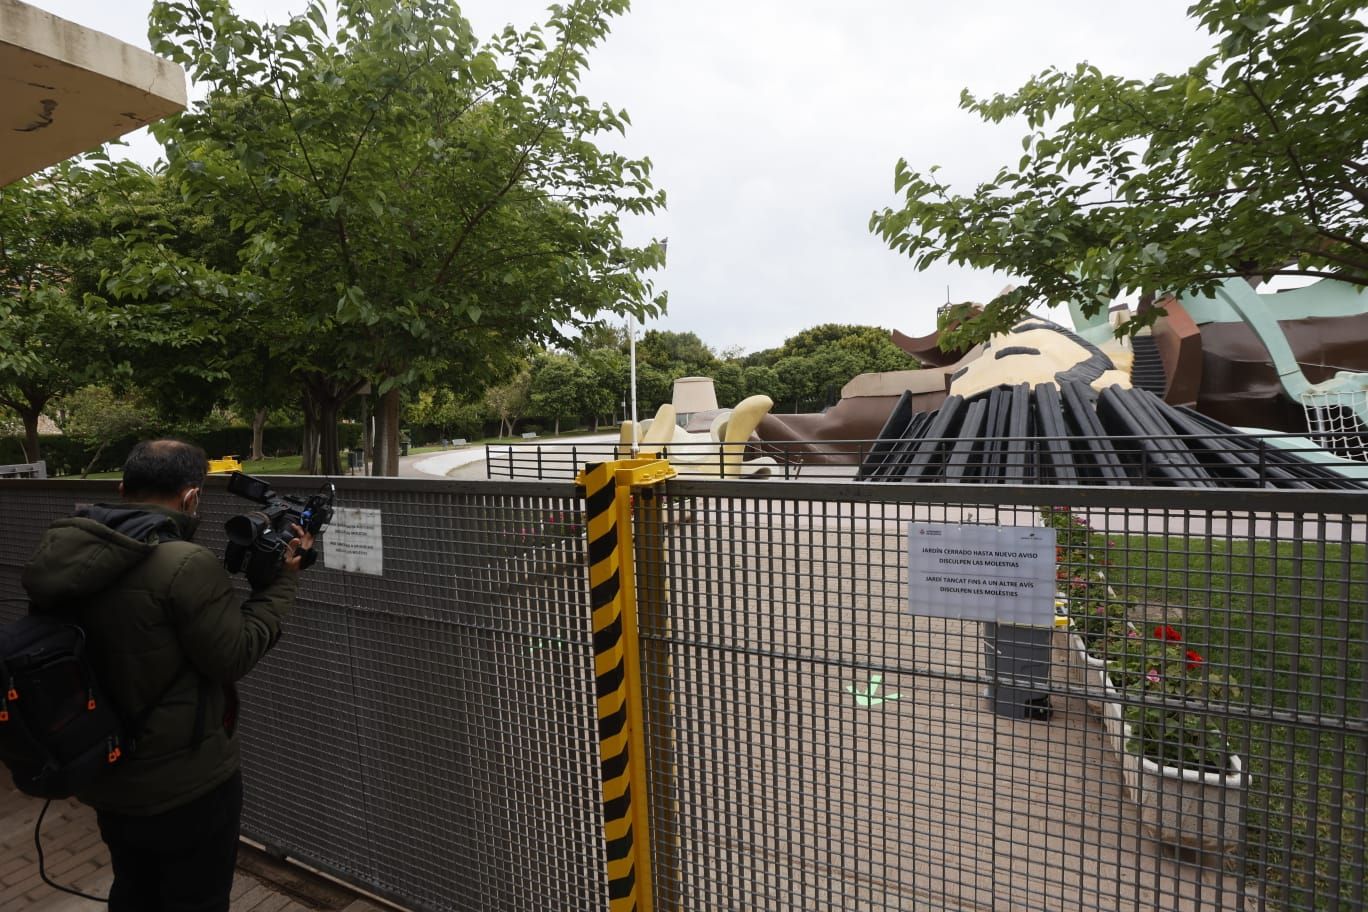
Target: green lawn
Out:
[1288,621]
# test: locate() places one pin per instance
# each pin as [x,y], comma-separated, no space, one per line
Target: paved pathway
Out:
[76,857]
[466,463]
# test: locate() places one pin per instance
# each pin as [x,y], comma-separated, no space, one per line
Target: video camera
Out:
[257,540]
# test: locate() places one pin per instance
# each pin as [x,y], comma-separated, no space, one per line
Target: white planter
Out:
[1189,808]
[1090,674]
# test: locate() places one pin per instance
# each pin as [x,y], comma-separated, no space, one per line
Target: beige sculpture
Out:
[1032,352]
[718,453]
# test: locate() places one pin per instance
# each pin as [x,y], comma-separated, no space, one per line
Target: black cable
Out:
[42,872]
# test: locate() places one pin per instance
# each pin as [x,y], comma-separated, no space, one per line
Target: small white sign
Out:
[982,573]
[353,542]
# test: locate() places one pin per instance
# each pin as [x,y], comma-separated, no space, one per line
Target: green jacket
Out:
[166,635]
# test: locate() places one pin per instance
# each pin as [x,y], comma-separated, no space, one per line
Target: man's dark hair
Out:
[163,468]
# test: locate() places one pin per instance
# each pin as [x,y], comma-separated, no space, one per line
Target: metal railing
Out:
[1211,460]
[814,739]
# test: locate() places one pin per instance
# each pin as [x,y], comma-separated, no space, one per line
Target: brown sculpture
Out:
[834,437]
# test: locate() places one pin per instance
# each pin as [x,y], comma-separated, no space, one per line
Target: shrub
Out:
[1152,662]
[68,456]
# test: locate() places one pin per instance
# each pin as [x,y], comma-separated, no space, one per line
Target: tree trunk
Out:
[388,430]
[556,432]
[90,465]
[379,445]
[329,462]
[367,434]
[308,447]
[258,434]
[324,398]
[31,448]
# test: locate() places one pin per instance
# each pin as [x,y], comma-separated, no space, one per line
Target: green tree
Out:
[97,416]
[759,379]
[442,409]
[56,334]
[1252,162]
[508,401]
[411,198]
[678,354]
[608,370]
[729,383]
[655,387]
[797,381]
[561,388]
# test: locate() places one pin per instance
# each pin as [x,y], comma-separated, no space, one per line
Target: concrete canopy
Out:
[65,89]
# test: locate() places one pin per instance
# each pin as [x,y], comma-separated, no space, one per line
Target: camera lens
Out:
[244,530]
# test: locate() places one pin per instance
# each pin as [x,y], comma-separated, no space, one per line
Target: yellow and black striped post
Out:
[617,672]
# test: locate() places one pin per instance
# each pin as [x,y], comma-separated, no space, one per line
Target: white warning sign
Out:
[982,573]
[353,542]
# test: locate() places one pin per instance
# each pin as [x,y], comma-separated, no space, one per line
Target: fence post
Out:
[656,687]
[617,670]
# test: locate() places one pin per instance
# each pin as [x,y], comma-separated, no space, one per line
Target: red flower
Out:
[1194,659]
[1165,632]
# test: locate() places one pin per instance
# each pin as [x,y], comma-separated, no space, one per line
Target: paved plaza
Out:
[77,858]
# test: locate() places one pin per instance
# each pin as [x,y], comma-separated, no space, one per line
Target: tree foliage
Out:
[561,388]
[410,198]
[508,401]
[97,416]
[56,334]
[1254,161]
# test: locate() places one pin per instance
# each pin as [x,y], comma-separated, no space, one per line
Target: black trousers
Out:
[181,860]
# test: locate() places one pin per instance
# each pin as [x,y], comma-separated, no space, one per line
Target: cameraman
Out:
[167,637]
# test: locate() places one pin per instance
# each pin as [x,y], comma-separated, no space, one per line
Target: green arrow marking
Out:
[870,695]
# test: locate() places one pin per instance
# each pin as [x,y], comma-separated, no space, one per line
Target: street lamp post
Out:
[631,348]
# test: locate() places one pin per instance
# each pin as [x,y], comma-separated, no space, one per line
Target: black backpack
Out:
[58,731]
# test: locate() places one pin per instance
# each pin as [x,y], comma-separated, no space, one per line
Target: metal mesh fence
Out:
[814,744]
[429,733]
[1193,734]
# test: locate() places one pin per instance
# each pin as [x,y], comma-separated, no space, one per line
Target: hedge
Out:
[65,456]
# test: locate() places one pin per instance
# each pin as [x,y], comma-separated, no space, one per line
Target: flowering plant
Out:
[1149,660]
[543,529]
[1080,555]
[1159,666]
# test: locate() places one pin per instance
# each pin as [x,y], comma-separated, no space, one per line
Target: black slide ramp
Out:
[969,438]
[895,461]
[926,459]
[888,435]
[1119,411]
[1078,406]
[1049,413]
[1022,445]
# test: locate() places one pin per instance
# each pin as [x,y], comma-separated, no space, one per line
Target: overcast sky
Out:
[774,128]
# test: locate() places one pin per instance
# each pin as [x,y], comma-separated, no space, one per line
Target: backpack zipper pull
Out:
[11,694]
[114,751]
[4,709]
[90,700]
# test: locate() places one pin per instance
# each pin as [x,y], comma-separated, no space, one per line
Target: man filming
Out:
[167,637]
